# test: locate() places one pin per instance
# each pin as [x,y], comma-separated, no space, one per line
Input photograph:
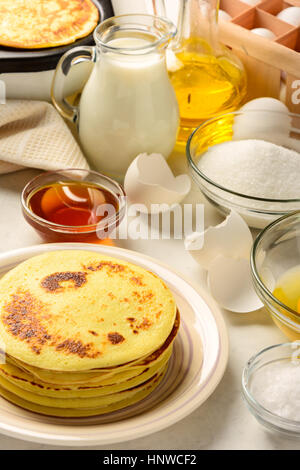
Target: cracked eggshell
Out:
[273,124]
[149,180]
[232,238]
[230,283]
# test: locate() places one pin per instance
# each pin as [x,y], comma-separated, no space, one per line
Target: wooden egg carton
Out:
[273,66]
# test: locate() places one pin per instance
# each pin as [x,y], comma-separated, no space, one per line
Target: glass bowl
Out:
[274,252]
[262,368]
[272,126]
[54,232]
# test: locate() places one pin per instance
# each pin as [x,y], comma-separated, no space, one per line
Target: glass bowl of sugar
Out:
[249,161]
[270,388]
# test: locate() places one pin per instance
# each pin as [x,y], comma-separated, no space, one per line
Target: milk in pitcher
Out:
[128,106]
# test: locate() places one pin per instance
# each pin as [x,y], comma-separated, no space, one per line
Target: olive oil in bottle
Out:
[208,79]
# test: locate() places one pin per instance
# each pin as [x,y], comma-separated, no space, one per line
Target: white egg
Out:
[150,182]
[224,16]
[264,32]
[230,283]
[251,2]
[231,238]
[271,123]
[265,104]
[290,15]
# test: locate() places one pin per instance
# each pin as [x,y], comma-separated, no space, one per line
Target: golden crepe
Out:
[79,310]
[92,337]
[79,412]
[76,402]
[24,380]
[39,23]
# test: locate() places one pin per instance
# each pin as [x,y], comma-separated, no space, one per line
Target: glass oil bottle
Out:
[207,77]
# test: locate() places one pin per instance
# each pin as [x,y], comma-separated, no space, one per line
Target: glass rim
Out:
[202,175]
[246,374]
[253,264]
[65,228]
[172,30]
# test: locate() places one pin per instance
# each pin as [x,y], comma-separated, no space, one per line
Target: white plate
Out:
[188,383]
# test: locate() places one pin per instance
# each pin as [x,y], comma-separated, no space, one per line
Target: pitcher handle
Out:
[67,61]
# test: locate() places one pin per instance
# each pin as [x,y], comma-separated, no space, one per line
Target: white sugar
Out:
[277,388]
[255,168]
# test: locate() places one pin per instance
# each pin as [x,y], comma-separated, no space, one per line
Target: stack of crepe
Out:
[85,334]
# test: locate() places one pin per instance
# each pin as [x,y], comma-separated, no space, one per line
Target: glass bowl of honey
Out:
[275,267]
[73,205]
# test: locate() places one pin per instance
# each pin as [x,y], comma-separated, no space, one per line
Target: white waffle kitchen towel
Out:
[33,134]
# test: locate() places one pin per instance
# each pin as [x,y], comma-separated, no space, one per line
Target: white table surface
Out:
[223,422]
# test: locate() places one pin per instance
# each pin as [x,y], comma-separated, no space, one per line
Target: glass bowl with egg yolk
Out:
[275,267]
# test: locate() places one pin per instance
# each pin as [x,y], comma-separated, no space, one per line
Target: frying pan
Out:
[28,73]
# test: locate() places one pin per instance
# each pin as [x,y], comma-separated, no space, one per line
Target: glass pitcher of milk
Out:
[128,105]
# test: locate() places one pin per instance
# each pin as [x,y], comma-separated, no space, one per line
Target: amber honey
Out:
[71,209]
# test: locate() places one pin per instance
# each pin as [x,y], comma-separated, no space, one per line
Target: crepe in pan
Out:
[30,24]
